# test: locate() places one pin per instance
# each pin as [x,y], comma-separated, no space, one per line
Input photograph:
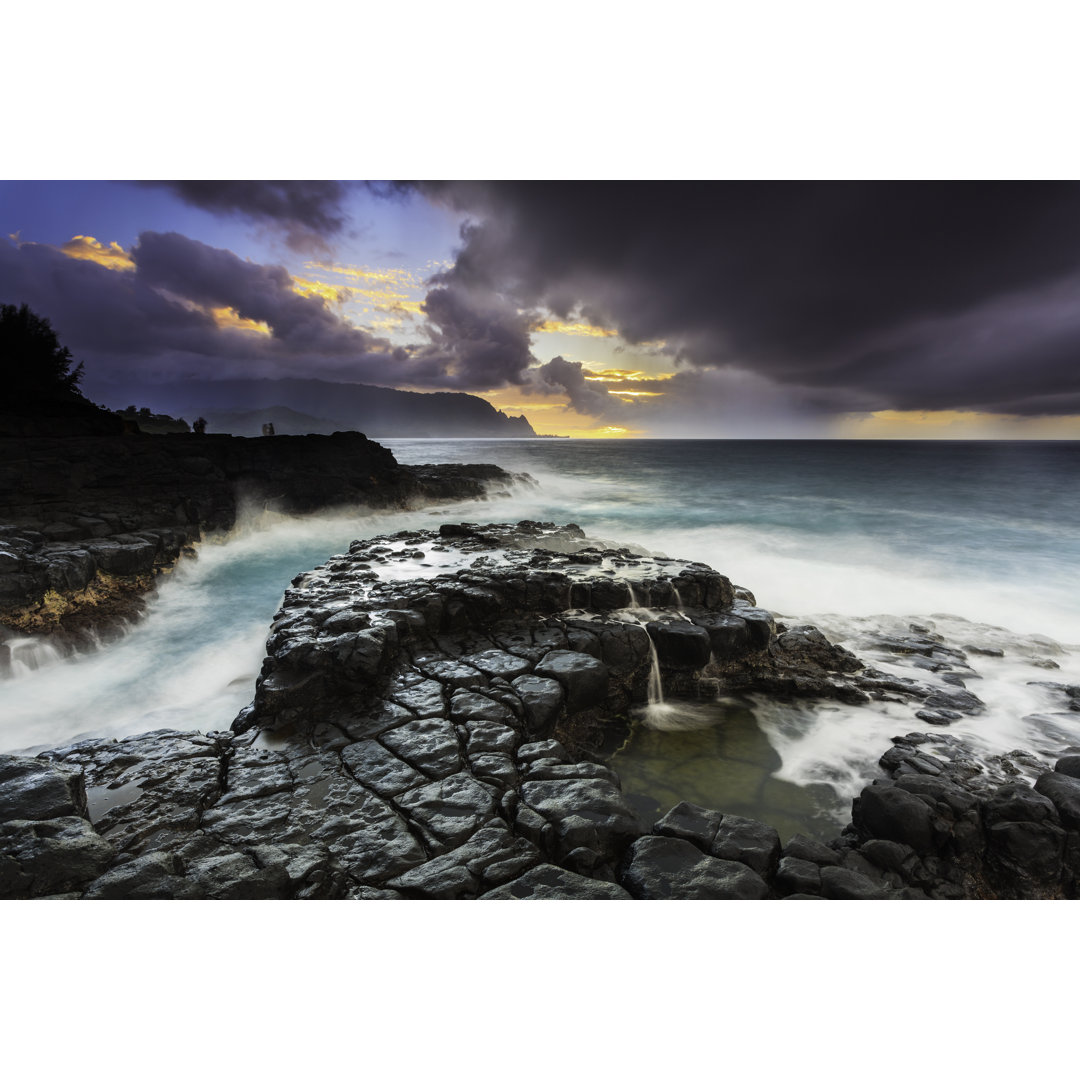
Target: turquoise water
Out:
[823,531]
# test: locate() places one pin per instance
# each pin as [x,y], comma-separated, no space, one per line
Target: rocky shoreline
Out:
[430,723]
[92,521]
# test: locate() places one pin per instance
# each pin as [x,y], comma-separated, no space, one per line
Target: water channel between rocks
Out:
[191,664]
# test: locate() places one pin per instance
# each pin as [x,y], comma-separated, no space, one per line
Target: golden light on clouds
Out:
[385,299]
[396,278]
[636,393]
[227,318]
[554,326]
[619,375]
[111,255]
[334,294]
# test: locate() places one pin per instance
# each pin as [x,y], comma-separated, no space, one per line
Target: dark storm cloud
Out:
[154,320]
[309,213]
[565,376]
[478,340]
[905,295]
[218,278]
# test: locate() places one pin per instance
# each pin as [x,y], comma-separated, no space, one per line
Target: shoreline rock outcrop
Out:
[89,522]
[429,723]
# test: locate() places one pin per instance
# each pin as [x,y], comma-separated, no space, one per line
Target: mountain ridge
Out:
[318,406]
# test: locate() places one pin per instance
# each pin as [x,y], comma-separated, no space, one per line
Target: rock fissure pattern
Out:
[429,723]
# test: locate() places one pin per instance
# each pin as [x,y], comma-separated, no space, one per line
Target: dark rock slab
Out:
[549,882]
[888,812]
[584,813]
[430,746]
[584,679]
[838,883]
[745,840]
[543,701]
[1064,792]
[688,821]
[451,809]
[667,868]
[42,857]
[35,790]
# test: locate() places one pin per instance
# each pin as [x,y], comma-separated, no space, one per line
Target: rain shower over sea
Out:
[978,541]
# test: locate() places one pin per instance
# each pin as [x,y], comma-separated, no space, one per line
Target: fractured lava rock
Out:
[426,725]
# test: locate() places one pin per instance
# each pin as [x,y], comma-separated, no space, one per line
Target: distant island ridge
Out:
[319,407]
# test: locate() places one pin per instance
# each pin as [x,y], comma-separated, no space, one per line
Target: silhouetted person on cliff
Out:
[199,427]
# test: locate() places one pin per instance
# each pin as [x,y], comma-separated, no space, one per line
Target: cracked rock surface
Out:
[426,726]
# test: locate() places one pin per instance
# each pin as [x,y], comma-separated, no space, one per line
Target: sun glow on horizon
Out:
[952,424]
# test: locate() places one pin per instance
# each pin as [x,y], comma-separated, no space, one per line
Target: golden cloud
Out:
[86,247]
[553,326]
[333,294]
[620,375]
[395,278]
[227,318]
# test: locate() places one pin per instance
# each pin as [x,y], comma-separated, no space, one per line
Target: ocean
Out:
[980,539]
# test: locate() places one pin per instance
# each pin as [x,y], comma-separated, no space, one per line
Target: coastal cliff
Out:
[88,521]
[430,723]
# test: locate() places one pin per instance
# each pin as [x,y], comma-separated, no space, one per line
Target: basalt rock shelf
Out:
[430,722]
[91,521]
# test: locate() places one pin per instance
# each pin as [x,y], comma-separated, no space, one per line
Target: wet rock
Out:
[681,645]
[238,877]
[466,706]
[42,857]
[1016,803]
[483,736]
[808,647]
[384,772]
[542,699]
[1069,765]
[890,813]
[1064,792]
[803,847]
[430,746]
[584,679]
[490,858]
[729,636]
[761,624]
[35,790]
[838,883]
[156,876]
[688,821]
[450,810]
[667,868]
[549,882]
[584,813]
[1023,856]
[747,841]
[797,876]
[496,662]
[543,749]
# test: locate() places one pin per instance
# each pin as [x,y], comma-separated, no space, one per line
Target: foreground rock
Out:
[428,724]
[89,522]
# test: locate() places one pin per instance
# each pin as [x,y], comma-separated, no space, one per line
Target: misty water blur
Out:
[821,532]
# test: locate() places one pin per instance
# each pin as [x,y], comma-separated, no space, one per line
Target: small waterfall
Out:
[678,598]
[656,684]
[22,656]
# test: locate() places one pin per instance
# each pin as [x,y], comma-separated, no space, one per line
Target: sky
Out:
[722,309]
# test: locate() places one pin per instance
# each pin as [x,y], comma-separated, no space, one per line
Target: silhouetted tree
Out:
[33,363]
